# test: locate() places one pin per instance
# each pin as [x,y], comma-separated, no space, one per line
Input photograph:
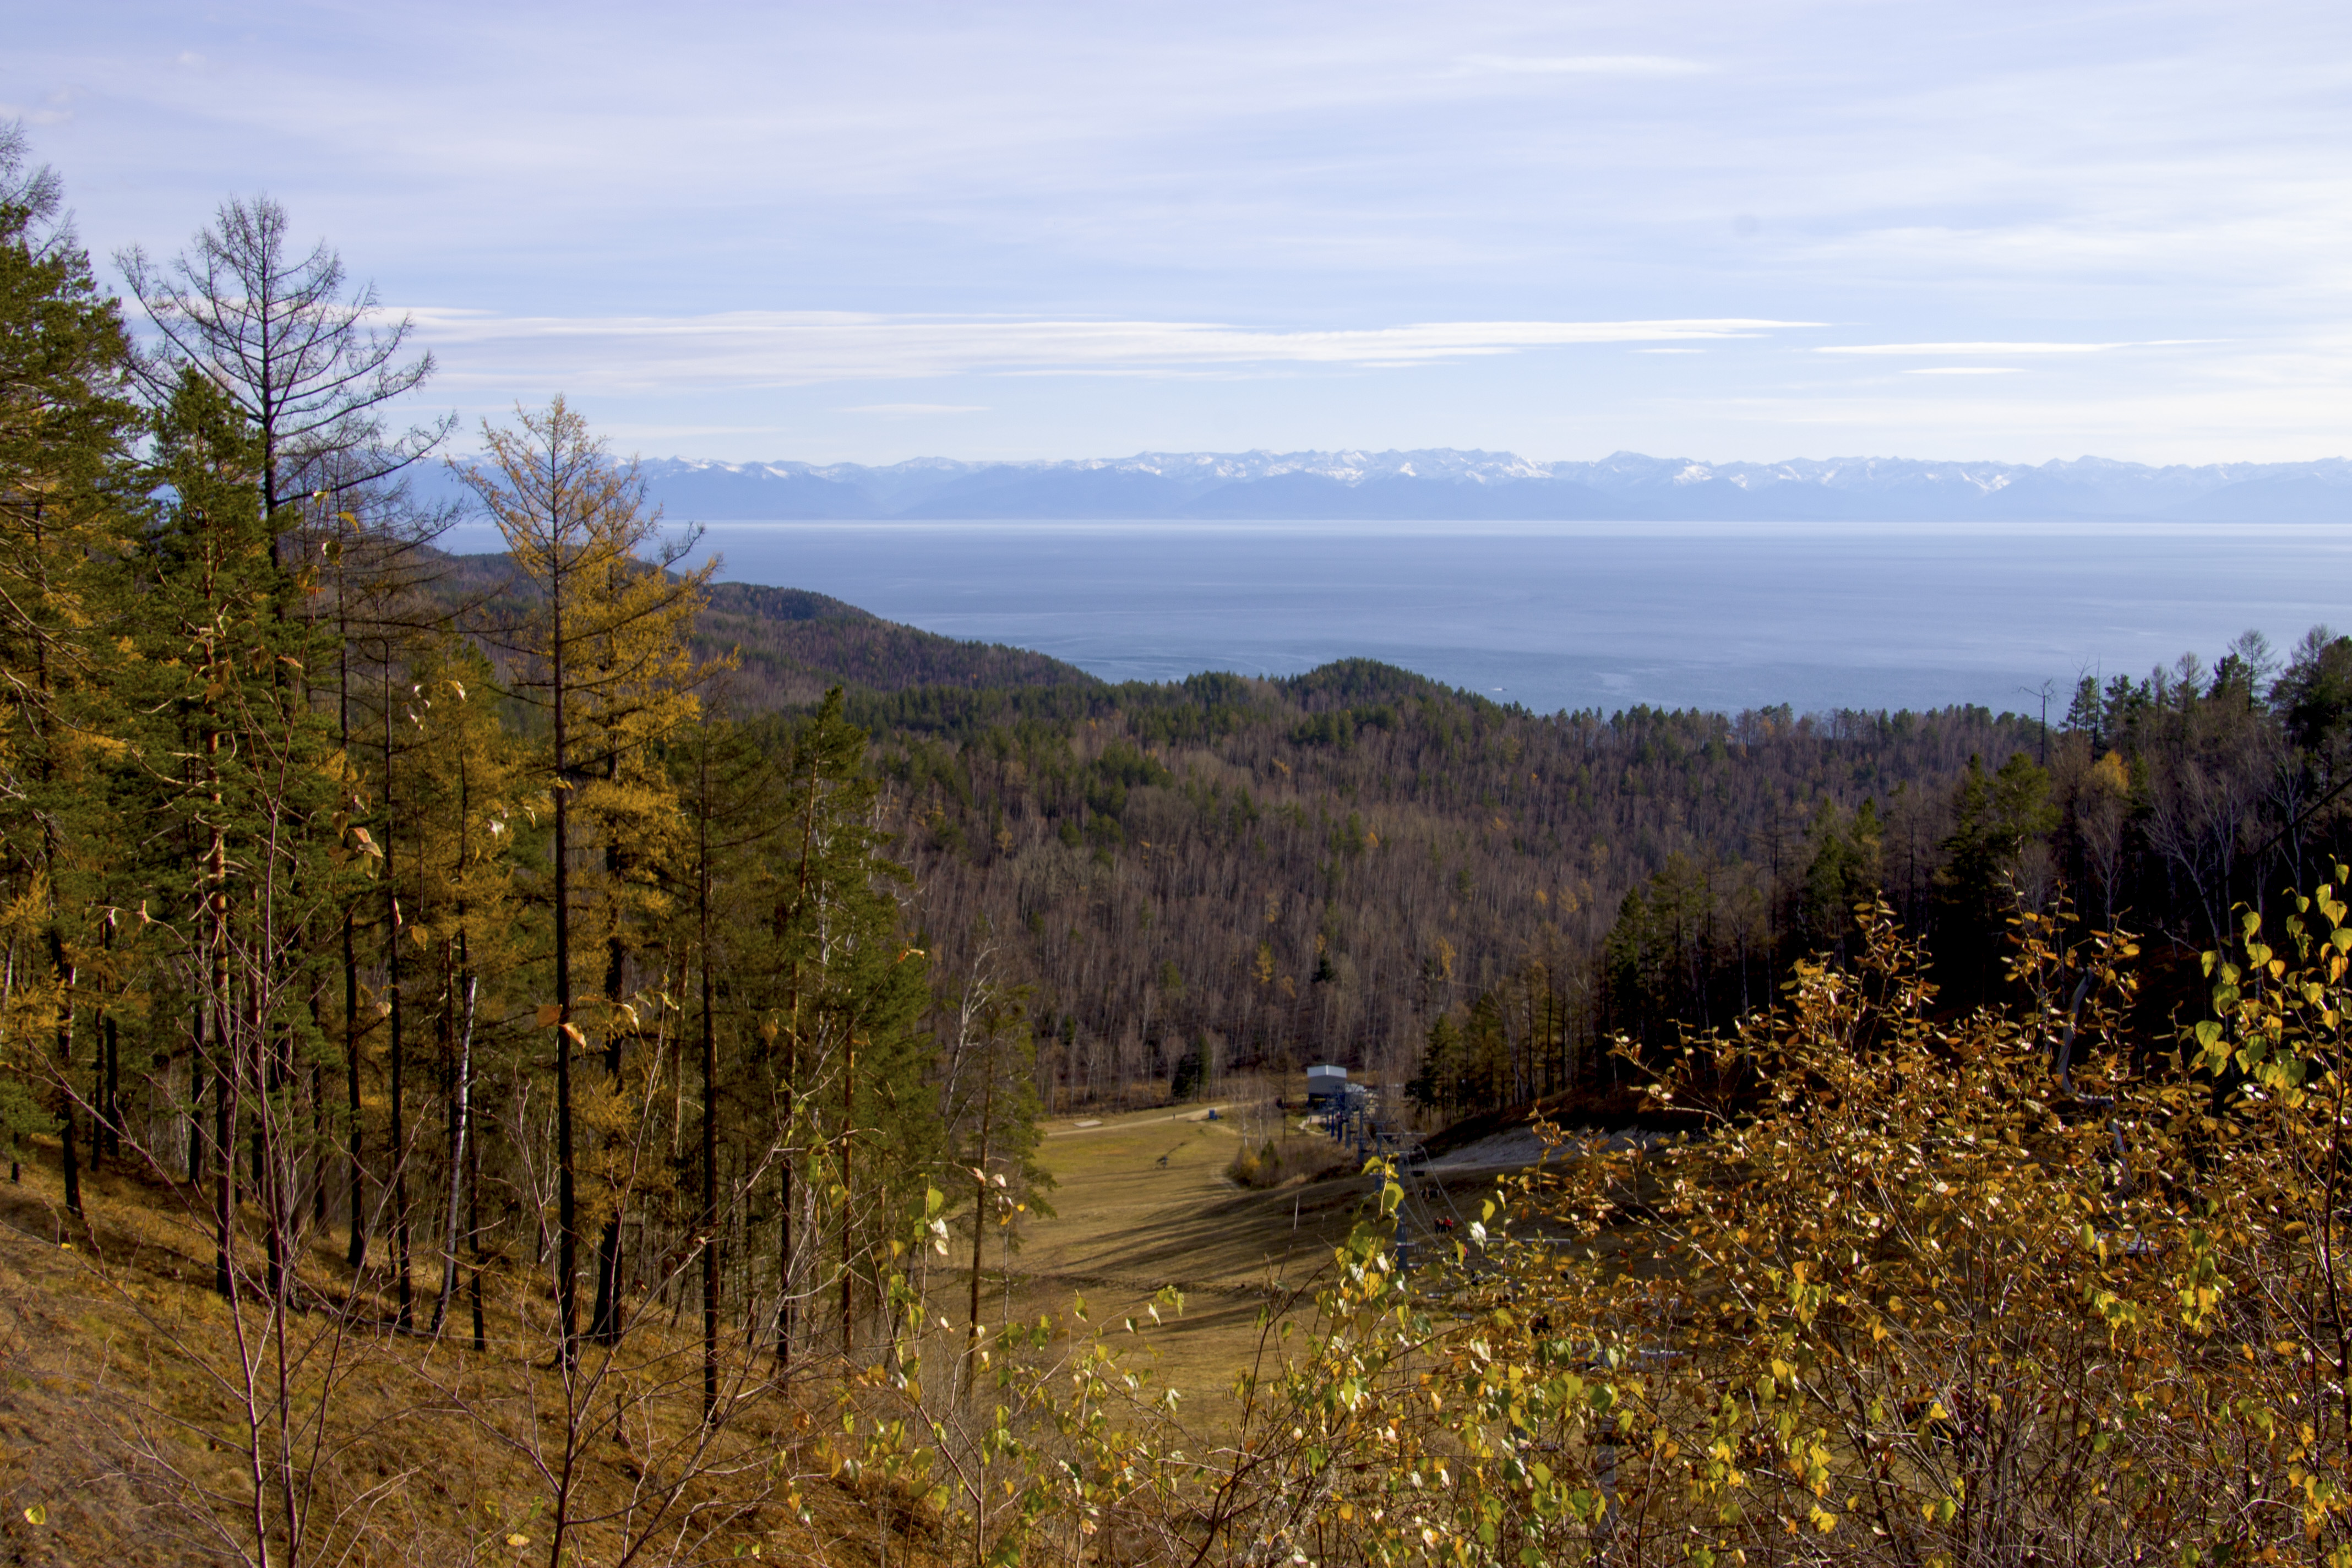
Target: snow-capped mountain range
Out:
[1449,484]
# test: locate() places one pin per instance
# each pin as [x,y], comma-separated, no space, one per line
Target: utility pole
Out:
[2042,691]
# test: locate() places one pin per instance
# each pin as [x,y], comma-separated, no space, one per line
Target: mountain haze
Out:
[1469,486]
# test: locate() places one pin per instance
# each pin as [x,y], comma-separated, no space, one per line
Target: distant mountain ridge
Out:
[1446,483]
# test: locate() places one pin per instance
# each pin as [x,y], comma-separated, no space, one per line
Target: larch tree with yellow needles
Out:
[600,652]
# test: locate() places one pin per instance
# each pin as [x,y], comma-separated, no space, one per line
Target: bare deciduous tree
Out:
[312,365]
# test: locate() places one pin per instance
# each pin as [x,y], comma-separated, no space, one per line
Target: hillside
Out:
[1359,864]
[793,644]
[1472,902]
[1244,872]
[861,982]
[1228,874]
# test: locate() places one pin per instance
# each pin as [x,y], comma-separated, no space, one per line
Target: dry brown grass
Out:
[101,1396]
[113,1412]
[1127,1225]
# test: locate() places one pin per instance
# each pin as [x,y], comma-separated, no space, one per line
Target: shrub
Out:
[1272,1163]
[2016,1287]
[2013,1289]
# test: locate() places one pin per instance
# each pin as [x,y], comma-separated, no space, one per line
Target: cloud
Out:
[1585,65]
[1967,370]
[56,108]
[789,348]
[2003,348]
[1669,351]
[917,408]
[638,430]
[1924,176]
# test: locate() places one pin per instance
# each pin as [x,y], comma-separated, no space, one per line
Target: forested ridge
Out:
[548,1053]
[1361,866]
[1322,868]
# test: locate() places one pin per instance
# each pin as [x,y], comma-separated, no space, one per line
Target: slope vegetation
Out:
[791,644]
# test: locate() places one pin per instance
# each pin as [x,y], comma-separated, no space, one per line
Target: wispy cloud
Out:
[1585,65]
[626,202]
[787,348]
[56,108]
[1967,370]
[2003,349]
[903,408]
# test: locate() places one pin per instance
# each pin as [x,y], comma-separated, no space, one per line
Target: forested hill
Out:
[791,645]
[1360,865]
[1363,865]
[1222,872]
[1225,872]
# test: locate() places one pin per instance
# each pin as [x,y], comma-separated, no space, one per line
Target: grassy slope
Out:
[96,1339]
[1125,1225]
[119,1401]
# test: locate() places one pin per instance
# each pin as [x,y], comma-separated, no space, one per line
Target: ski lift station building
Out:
[1325,1084]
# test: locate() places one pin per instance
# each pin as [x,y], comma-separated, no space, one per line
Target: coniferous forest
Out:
[531,1056]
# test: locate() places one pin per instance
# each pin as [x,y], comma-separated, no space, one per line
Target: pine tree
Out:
[65,429]
[1994,816]
[253,845]
[728,786]
[1841,875]
[849,1058]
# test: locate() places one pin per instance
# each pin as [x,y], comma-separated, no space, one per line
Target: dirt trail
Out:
[1122,1123]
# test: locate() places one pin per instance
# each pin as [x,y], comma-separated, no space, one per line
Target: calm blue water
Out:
[1587,614]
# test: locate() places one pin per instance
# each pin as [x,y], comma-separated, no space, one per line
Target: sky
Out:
[1743,230]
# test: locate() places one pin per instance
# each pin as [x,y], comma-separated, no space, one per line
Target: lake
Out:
[1583,614]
